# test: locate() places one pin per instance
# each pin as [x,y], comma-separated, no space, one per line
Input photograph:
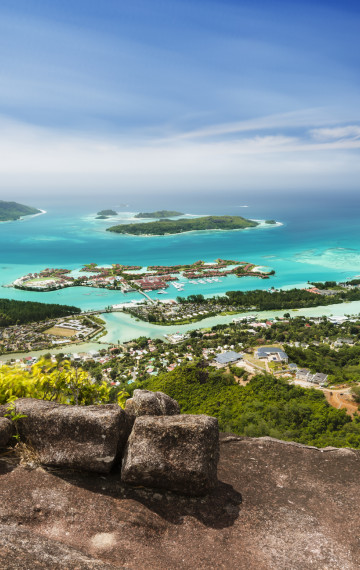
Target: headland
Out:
[11,211]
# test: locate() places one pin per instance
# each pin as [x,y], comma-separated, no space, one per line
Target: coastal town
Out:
[247,346]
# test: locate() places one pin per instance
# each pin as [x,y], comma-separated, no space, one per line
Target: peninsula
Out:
[165,226]
[159,214]
[10,211]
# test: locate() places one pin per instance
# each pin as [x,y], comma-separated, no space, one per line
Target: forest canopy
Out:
[266,406]
[19,312]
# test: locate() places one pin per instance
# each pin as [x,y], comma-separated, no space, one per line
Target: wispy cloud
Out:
[39,157]
[348,132]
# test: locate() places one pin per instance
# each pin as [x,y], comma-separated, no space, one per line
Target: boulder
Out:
[146,403]
[6,430]
[179,453]
[91,438]
[4,409]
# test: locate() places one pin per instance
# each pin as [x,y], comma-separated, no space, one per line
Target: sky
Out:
[179,96]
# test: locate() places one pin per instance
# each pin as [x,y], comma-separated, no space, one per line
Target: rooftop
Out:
[227,357]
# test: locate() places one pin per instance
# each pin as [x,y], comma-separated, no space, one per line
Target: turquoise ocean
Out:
[318,239]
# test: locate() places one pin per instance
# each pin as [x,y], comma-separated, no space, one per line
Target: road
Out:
[342,400]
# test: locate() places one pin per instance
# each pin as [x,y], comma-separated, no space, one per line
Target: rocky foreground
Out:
[277,506]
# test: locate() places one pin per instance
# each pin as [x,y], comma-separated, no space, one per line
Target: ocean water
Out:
[318,239]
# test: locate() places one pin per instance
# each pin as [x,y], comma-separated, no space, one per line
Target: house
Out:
[272,353]
[303,374]
[319,378]
[341,341]
[228,358]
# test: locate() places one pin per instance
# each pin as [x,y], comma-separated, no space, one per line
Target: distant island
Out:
[13,211]
[163,227]
[272,222]
[159,214]
[107,213]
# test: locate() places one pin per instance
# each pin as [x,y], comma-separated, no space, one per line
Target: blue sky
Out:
[179,95]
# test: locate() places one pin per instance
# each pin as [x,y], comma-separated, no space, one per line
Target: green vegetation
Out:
[159,214]
[342,365]
[265,300]
[20,312]
[59,382]
[270,222]
[163,227]
[292,299]
[326,285]
[14,211]
[101,217]
[266,406]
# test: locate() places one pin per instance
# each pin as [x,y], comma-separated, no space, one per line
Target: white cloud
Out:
[34,157]
[303,118]
[328,134]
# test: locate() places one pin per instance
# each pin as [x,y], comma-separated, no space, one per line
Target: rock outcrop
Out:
[91,438]
[146,403]
[6,429]
[277,507]
[179,453]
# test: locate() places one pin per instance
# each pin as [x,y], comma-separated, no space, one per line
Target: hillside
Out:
[163,227]
[278,506]
[14,211]
[266,406]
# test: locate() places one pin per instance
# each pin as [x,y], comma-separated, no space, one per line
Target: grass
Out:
[59,331]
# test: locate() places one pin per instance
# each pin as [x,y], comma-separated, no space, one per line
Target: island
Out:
[10,211]
[129,278]
[271,222]
[159,214]
[106,213]
[163,227]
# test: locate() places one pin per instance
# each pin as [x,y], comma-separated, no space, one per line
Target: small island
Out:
[159,214]
[271,222]
[10,211]
[163,227]
[106,213]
